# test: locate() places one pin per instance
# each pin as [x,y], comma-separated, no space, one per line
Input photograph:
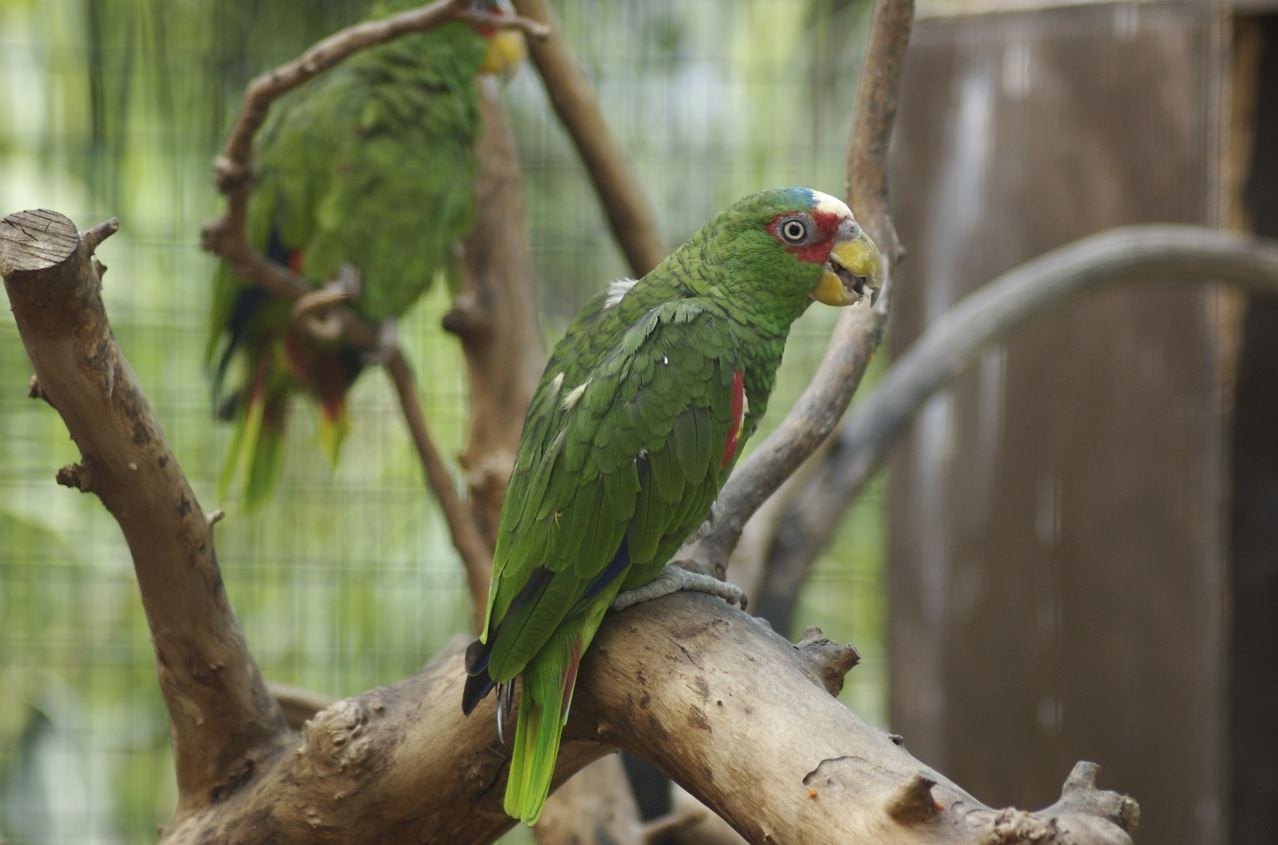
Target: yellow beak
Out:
[505,51]
[851,274]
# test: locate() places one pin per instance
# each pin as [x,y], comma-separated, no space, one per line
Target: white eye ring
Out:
[794,231]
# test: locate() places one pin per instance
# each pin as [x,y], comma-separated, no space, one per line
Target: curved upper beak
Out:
[852,272]
[506,49]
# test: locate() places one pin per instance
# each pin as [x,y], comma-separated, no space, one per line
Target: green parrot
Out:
[638,420]
[368,167]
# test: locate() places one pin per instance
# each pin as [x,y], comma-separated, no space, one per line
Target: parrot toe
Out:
[675,578]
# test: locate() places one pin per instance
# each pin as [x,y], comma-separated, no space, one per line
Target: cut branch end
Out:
[825,660]
[76,475]
[913,802]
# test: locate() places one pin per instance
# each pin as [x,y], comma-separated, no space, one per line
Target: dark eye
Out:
[794,230]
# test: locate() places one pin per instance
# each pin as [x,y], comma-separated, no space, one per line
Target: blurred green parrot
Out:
[369,168]
[638,420]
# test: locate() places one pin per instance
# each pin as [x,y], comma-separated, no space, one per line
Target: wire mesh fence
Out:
[346,579]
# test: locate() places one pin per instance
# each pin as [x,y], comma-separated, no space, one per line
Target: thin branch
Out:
[461,526]
[575,101]
[1163,254]
[224,722]
[859,331]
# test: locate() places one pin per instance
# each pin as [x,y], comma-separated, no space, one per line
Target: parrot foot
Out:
[387,344]
[315,309]
[675,578]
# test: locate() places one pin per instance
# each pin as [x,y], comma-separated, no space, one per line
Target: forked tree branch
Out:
[575,101]
[858,332]
[1162,254]
[225,724]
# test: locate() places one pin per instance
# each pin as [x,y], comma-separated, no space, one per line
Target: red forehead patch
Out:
[818,250]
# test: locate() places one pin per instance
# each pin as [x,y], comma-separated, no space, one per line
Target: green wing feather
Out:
[624,447]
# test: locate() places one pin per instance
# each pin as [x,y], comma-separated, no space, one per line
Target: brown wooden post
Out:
[1062,522]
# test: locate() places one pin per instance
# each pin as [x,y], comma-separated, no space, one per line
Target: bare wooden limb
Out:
[495,319]
[225,724]
[859,331]
[474,552]
[575,101]
[759,739]
[1163,254]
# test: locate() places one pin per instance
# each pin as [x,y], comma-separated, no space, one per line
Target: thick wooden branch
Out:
[735,713]
[225,724]
[1163,254]
[859,330]
[575,101]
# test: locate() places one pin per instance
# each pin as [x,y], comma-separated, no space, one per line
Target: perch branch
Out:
[575,101]
[1162,254]
[224,722]
[227,238]
[667,679]
[859,330]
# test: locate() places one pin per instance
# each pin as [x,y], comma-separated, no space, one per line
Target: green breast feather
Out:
[637,422]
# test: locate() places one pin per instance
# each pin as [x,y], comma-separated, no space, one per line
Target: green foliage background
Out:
[347,580]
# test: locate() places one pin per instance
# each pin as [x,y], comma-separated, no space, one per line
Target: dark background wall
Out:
[1060,520]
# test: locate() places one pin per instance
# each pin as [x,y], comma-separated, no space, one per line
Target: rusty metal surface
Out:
[1057,520]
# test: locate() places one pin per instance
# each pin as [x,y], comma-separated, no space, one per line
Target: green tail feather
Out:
[257,450]
[548,683]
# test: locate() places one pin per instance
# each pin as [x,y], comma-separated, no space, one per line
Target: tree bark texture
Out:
[225,724]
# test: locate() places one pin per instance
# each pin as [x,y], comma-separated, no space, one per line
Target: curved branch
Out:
[575,101]
[474,552]
[224,722]
[1164,254]
[859,331]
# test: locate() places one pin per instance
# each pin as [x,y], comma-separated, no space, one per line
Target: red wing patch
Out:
[738,411]
[569,674]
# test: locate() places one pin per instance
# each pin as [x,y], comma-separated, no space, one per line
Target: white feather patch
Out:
[574,395]
[616,291]
[831,205]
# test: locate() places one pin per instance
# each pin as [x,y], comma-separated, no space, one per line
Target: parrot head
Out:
[785,247]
